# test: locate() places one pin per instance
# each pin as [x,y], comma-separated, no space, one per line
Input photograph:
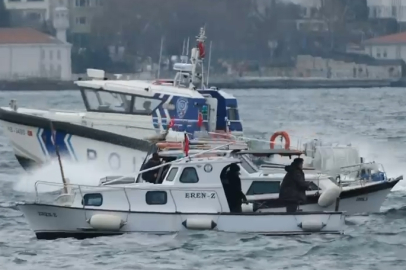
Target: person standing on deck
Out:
[233,190]
[293,187]
[152,175]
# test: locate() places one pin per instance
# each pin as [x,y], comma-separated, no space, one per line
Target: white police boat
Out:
[190,197]
[119,115]
[352,187]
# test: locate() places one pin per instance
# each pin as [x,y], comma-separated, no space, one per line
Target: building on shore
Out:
[28,13]
[387,47]
[26,53]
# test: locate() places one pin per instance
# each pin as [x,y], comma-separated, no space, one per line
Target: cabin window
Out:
[263,187]
[232,114]
[143,105]
[92,199]
[156,197]
[189,175]
[104,101]
[250,168]
[171,175]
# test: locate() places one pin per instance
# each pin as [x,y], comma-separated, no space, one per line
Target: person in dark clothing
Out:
[293,187]
[151,176]
[233,190]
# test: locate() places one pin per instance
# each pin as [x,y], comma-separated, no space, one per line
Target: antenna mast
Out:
[196,58]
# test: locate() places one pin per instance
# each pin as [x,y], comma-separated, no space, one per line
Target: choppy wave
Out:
[366,118]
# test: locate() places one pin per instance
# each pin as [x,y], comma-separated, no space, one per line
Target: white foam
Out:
[79,174]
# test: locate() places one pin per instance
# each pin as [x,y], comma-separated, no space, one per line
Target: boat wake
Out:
[78,174]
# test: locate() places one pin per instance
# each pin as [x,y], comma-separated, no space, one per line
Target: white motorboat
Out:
[119,115]
[190,197]
[364,186]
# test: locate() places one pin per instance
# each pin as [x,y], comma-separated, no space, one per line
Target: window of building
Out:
[385,53]
[156,197]
[82,3]
[172,173]
[92,199]
[394,11]
[51,70]
[80,20]
[189,175]
[143,105]
[378,52]
[264,187]
[51,54]
[374,12]
[33,16]
[58,54]
[59,71]
[104,101]
[42,54]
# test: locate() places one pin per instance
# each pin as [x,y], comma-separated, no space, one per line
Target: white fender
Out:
[247,207]
[174,136]
[311,225]
[329,196]
[199,224]
[106,222]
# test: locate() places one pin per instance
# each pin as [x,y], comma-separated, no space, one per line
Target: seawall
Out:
[235,83]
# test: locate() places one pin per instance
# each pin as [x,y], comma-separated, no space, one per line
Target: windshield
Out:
[248,165]
[143,105]
[106,101]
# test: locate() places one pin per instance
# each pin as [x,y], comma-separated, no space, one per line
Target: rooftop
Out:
[389,39]
[25,36]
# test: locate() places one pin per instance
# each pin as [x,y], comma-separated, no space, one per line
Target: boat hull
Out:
[33,146]
[363,199]
[51,222]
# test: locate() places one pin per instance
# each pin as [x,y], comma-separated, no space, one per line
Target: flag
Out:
[200,120]
[171,123]
[202,52]
[186,145]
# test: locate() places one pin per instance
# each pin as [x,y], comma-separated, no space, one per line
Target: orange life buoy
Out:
[284,134]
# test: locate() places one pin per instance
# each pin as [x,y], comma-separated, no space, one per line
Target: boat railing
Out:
[361,173]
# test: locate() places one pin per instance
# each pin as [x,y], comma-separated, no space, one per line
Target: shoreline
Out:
[238,83]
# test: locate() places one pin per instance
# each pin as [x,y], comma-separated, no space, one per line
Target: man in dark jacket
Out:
[233,190]
[293,187]
[151,176]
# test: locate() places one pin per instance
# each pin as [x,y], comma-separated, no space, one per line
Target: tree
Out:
[4,15]
[139,24]
[358,10]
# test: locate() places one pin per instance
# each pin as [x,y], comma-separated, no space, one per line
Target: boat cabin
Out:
[187,184]
[161,103]
[254,182]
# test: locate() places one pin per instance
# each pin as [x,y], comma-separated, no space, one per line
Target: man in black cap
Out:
[151,176]
[293,187]
[233,189]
